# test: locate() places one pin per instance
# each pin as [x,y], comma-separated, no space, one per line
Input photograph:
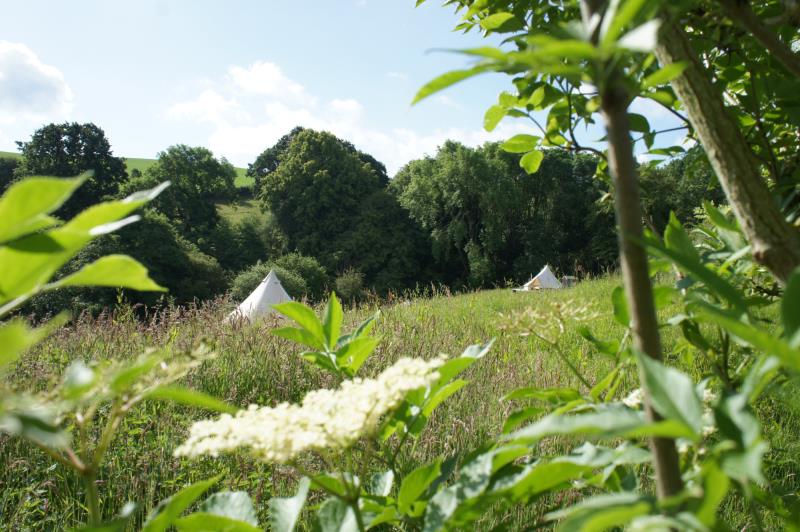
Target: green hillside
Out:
[137,163]
[242,180]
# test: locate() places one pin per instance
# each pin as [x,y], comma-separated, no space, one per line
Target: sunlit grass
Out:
[255,367]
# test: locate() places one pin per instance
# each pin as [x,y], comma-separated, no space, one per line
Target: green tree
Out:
[317,190]
[8,165]
[489,220]
[172,260]
[69,149]
[198,182]
[269,160]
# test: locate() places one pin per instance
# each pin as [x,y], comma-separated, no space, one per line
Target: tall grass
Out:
[253,366]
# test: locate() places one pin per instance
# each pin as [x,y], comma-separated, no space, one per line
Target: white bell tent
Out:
[259,303]
[544,279]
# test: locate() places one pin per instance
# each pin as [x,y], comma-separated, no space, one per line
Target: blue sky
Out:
[235,75]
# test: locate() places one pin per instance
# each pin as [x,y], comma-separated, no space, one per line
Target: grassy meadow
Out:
[236,211]
[138,163]
[253,366]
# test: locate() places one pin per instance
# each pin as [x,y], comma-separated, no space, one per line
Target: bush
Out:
[309,269]
[350,285]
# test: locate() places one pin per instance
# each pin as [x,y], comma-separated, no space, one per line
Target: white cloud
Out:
[649,108]
[276,104]
[209,106]
[29,88]
[267,79]
[447,101]
[396,75]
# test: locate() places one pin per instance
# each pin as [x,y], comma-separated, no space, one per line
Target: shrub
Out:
[350,284]
[309,269]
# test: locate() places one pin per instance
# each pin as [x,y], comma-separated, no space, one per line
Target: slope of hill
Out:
[138,163]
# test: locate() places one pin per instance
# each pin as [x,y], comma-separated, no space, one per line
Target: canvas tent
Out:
[259,303]
[544,279]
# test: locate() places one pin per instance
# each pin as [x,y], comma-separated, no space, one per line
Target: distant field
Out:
[242,180]
[133,163]
[238,210]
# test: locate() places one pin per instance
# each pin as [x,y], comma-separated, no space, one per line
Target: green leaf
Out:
[105,217]
[416,484]
[441,394]
[380,484]
[493,117]
[616,20]
[715,487]
[231,504]
[608,422]
[638,123]
[29,262]
[620,304]
[16,337]
[335,515]
[502,22]
[304,317]
[455,366]
[168,510]
[531,161]
[539,478]
[551,395]
[127,376]
[78,379]
[112,270]
[601,512]
[664,75]
[332,483]
[32,420]
[284,512]
[790,307]
[752,335]
[672,393]
[118,524]
[206,522]
[301,336]
[518,417]
[520,143]
[473,481]
[354,353]
[25,205]
[446,80]
[641,39]
[678,248]
[332,321]
[188,397]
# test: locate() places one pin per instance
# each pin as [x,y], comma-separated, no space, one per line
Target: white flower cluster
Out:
[634,399]
[326,419]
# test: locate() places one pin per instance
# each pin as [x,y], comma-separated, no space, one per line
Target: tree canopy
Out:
[70,149]
[198,182]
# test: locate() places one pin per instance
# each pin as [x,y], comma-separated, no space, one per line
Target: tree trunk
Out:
[741,13]
[635,272]
[775,243]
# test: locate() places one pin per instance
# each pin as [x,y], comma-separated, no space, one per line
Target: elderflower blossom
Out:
[326,419]
[634,399]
